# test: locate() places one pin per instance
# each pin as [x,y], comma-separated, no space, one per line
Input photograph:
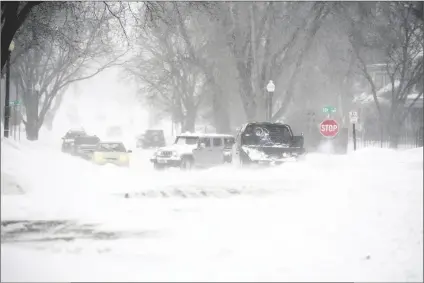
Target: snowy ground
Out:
[338,218]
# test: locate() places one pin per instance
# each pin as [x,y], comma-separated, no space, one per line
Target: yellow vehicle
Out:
[111,152]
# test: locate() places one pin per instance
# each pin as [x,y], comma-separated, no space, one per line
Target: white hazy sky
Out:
[103,101]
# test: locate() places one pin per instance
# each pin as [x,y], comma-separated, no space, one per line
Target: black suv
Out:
[84,146]
[266,143]
[69,138]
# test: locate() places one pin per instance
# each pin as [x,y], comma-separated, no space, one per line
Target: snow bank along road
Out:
[347,218]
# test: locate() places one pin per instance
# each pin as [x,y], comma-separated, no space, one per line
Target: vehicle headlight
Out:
[285,154]
[97,156]
[174,154]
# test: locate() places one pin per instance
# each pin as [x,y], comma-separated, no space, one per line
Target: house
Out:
[412,127]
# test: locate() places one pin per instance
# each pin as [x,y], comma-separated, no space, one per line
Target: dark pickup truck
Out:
[267,143]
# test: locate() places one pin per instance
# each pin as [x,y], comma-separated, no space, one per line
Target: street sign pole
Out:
[329,110]
[353,115]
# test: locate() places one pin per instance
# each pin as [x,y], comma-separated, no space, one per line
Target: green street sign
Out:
[15,102]
[329,109]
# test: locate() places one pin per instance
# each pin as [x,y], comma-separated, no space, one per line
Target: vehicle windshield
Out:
[90,140]
[266,135]
[72,135]
[111,147]
[186,140]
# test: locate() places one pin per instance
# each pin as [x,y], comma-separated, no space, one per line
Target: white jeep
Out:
[195,150]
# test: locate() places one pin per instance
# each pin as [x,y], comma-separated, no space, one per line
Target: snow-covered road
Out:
[339,218]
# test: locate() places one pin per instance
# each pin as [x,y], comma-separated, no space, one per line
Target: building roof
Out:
[383,96]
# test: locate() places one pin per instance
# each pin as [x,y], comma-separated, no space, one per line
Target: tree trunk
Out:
[394,139]
[394,133]
[31,106]
[32,129]
[221,116]
[50,115]
[222,122]
[189,122]
[246,91]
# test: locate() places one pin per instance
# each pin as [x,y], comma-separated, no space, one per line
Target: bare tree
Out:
[63,55]
[170,81]
[399,34]
[13,15]
[321,13]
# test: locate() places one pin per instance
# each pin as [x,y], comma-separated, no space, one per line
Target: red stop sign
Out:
[329,128]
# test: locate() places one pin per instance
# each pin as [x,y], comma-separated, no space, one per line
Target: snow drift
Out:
[352,218]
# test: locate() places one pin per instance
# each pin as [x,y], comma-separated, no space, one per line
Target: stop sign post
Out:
[329,128]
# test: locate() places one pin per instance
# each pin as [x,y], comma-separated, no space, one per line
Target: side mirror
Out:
[129,151]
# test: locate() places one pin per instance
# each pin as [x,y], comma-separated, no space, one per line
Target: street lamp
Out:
[7,96]
[270,88]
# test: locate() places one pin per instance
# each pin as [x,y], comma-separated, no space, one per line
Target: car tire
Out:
[186,164]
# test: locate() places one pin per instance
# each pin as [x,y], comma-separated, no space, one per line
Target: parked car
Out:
[194,150]
[69,138]
[84,146]
[111,152]
[151,139]
[267,143]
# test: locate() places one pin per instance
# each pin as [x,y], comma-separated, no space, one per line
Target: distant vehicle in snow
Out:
[111,152]
[194,150]
[151,139]
[84,146]
[69,138]
[266,143]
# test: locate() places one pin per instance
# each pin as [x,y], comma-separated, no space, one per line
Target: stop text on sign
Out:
[329,128]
